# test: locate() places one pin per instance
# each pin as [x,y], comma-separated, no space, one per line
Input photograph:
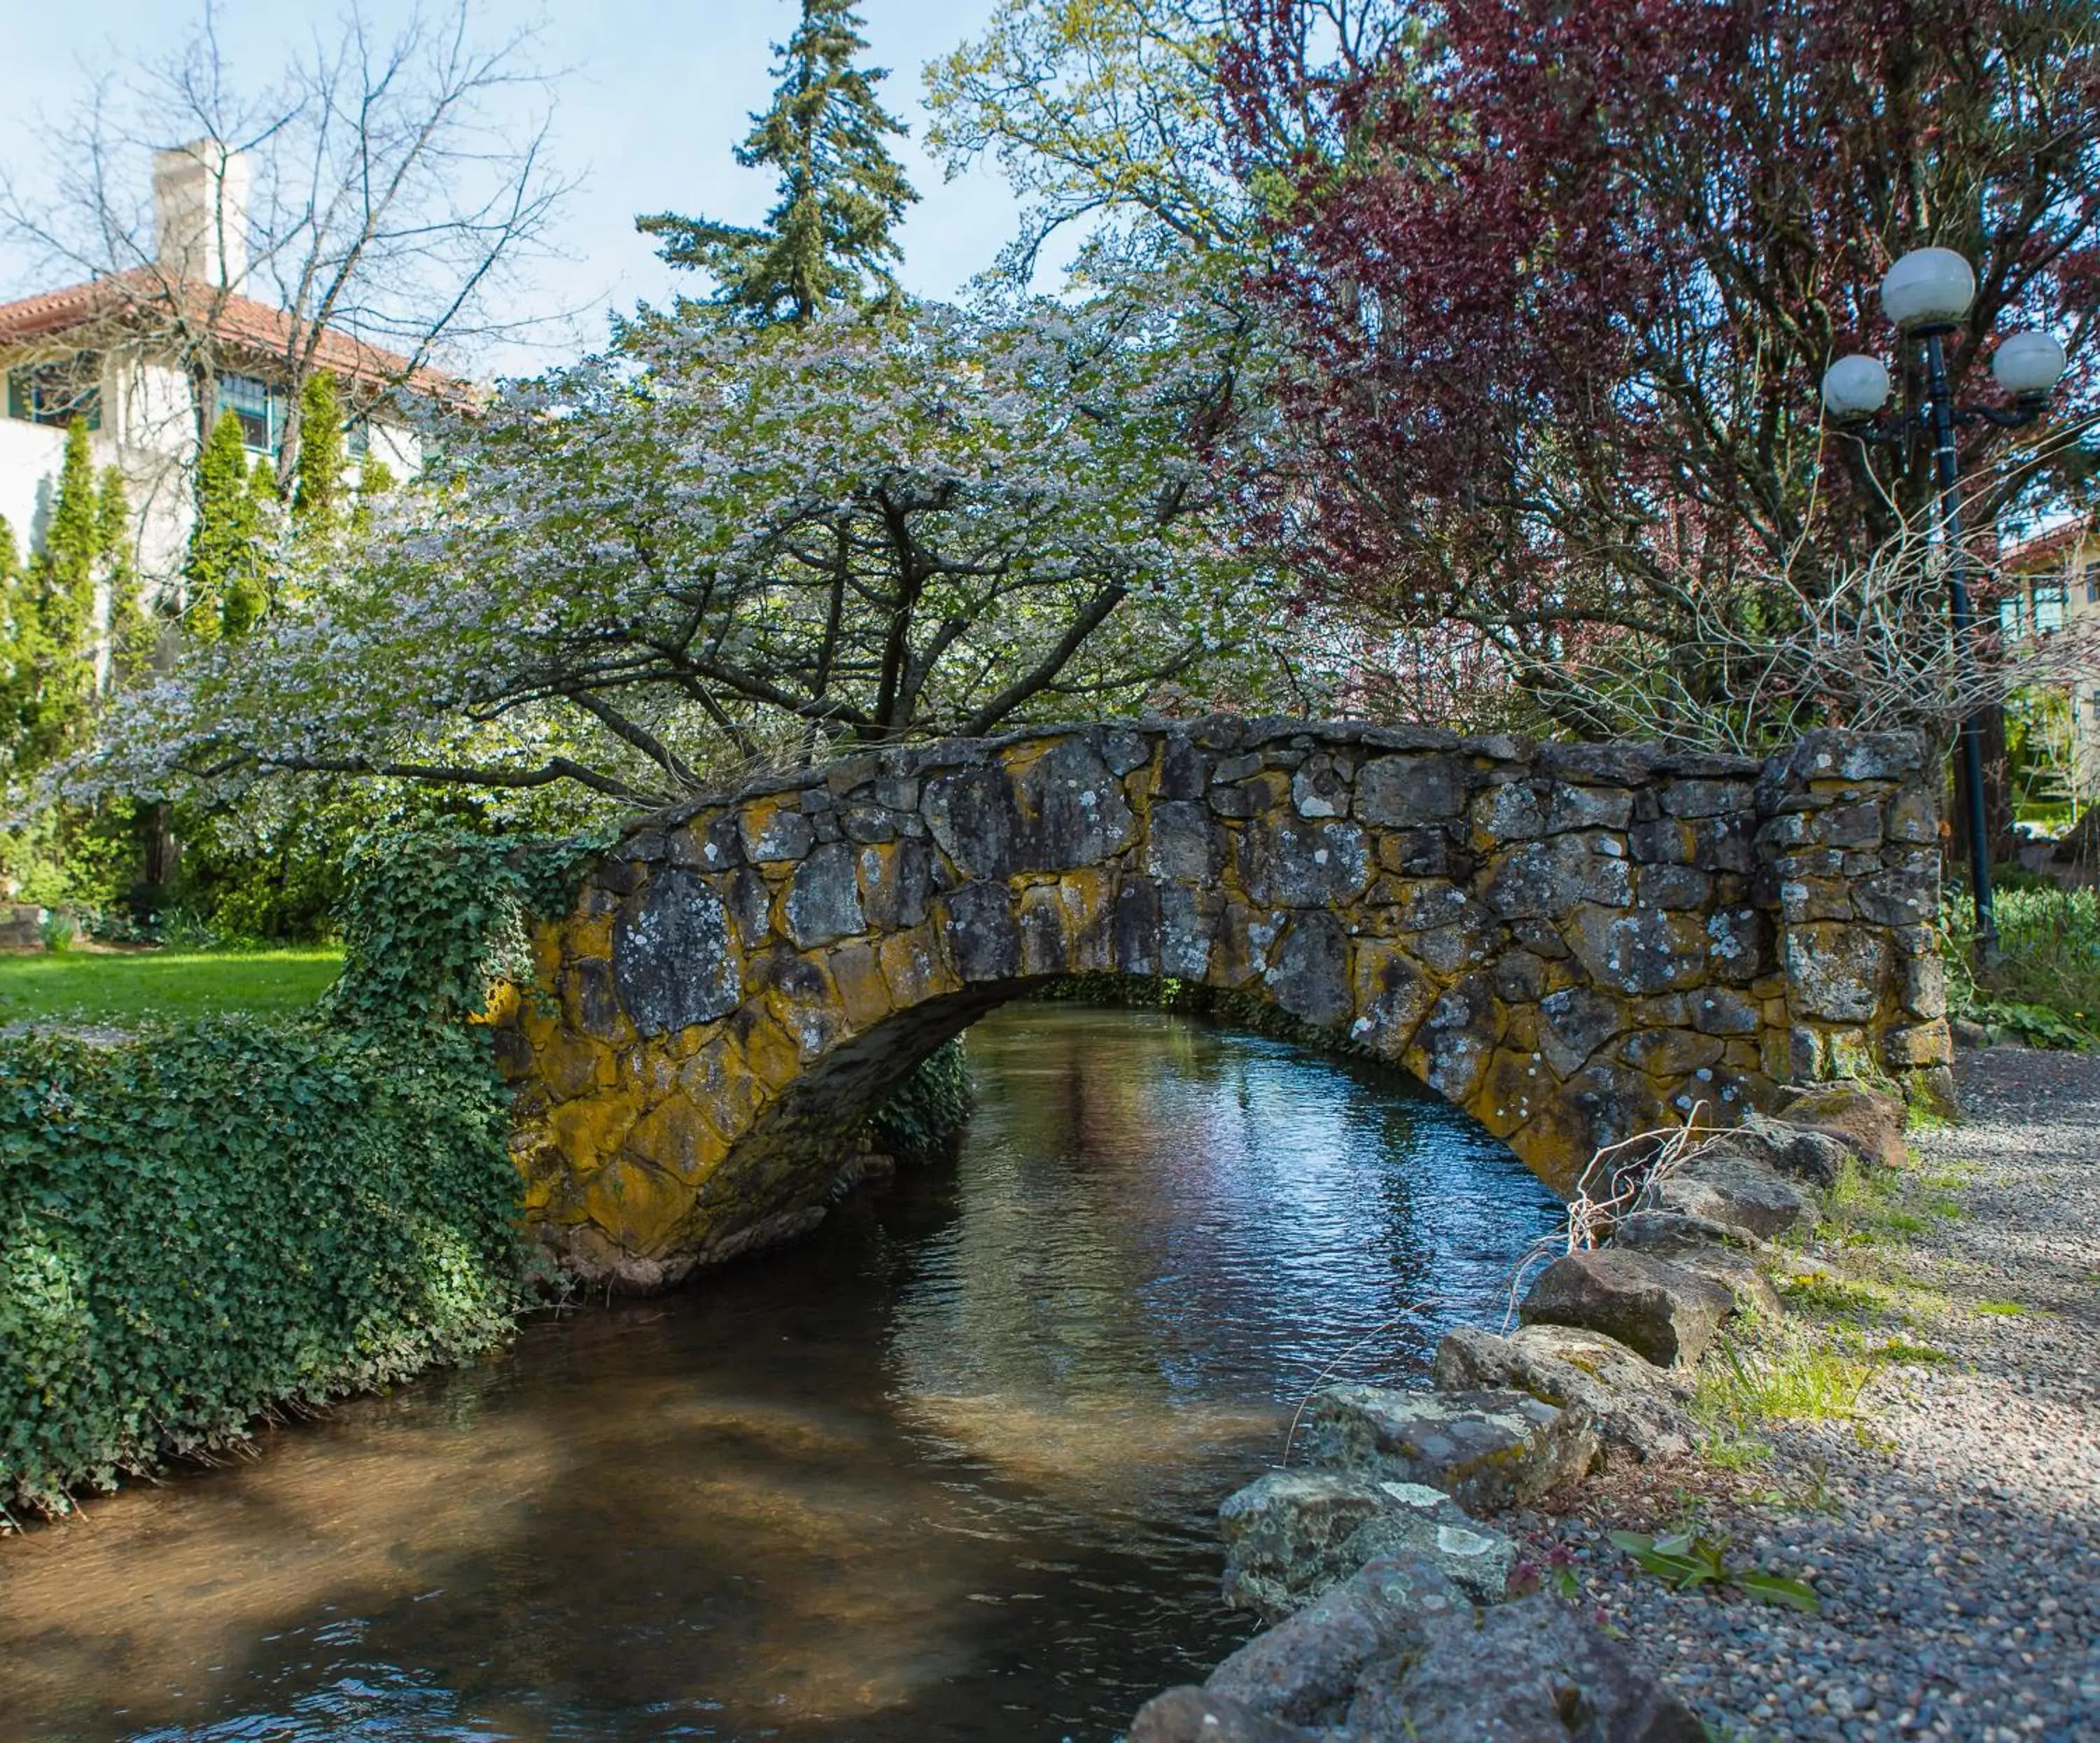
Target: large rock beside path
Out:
[1869,1124]
[1659,1310]
[1801,1153]
[1689,1242]
[1486,1450]
[1624,1396]
[1291,1535]
[1534,1671]
[1305,1669]
[1738,1192]
[1406,1668]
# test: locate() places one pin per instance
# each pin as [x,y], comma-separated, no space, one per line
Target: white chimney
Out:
[201,213]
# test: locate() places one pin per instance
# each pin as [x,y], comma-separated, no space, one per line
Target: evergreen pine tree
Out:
[129,632]
[317,483]
[228,591]
[54,642]
[826,242]
[17,620]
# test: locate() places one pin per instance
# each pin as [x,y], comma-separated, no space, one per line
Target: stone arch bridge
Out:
[1573,943]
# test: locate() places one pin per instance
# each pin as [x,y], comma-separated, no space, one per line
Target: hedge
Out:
[219,1220]
[239,1214]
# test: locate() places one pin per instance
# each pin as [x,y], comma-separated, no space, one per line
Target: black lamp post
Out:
[1927,294]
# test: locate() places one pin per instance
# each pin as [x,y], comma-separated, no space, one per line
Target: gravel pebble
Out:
[1952,1529]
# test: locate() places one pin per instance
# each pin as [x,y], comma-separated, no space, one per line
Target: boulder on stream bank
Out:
[1291,1535]
[1738,1192]
[1415,1668]
[1628,1399]
[1658,1310]
[1486,1450]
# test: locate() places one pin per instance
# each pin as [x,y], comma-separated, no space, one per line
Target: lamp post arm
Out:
[1946,478]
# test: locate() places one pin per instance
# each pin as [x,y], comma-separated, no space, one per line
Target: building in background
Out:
[151,356]
[2051,585]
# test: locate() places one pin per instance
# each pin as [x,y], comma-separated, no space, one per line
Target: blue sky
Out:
[655,96]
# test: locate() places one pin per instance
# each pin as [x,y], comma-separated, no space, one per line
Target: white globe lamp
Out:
[1855,387]
[1928,288]
[2027,364]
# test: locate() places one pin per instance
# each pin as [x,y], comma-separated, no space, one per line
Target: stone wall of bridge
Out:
[1573,943]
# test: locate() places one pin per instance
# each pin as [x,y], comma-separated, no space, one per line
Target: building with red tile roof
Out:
[153,355]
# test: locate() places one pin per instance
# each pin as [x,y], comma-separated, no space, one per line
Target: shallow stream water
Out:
[946,1470]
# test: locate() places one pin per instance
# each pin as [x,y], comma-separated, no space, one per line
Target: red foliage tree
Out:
[1560,280]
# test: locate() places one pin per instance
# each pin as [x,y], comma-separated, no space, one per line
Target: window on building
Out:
[2093,584]
[358,438]
[2012,616]
[57,392]
[259,407]
[2048,604]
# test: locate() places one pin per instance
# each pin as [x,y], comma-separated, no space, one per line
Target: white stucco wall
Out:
[157,427]
[30,458]
[149,433]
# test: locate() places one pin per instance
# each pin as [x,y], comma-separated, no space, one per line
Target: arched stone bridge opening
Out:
[1573,943]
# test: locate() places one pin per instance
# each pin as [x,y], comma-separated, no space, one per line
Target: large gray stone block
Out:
[672,965]
[1486,1450]
[1713,1250]
[1658,1310]
[1796,1152]
[1634,1415]
[1291,1535]
[1534,1671]
[1737,1190]
[1304,1670]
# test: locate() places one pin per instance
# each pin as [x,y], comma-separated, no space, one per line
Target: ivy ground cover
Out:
[224,1219]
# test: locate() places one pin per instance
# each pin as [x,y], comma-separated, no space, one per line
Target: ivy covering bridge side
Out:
[224,1220]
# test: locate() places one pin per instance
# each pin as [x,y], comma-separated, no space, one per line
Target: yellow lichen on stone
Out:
[570,1063]
[677,1135]
[1085,896]
[640,1208]
[914,968]
[1513,1092]
[770,1051]
[589,1129]
[856,971]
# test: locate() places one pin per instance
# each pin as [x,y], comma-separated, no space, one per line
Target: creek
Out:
[947,1469]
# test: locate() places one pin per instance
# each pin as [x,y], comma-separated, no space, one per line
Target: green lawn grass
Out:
[132,987]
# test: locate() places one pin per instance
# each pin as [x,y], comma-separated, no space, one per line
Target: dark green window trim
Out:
[57,392]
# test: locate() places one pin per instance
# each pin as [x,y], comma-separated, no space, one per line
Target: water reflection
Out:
[944,1471]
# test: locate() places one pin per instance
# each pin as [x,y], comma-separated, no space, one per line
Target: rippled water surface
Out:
[945,1471]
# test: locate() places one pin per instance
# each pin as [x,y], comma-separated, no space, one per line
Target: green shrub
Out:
[238,1214]
[231,1216]
[925,1109]
[2045,988]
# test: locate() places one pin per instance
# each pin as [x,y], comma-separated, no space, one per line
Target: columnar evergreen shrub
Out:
[318,492]
[225,571]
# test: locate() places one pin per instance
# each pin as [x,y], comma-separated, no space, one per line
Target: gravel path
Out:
[1952,1529]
